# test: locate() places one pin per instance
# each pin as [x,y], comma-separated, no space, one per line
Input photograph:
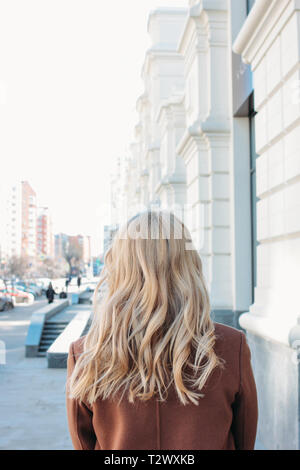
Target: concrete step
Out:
[51,331]
[58,352]
[41,354]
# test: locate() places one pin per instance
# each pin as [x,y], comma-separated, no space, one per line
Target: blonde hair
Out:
[152,327]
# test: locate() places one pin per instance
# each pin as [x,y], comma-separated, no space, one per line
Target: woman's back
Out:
[154,371]
[225,418]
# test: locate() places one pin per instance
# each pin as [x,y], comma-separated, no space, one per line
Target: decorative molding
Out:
[170,107]
[263,24]
[156,53]
[268,327]
[204,131]
[194,39]
[165,11]
[171,180]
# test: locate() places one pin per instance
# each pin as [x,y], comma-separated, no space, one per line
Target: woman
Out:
[154,371]
[50,293]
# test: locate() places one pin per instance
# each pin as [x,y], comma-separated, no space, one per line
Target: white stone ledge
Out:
[275,329]
[166,11]
[258,11]
[263,24]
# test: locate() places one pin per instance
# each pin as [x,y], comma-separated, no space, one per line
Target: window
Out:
[253,157]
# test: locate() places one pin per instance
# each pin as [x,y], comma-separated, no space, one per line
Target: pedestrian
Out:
[154,371]
[50,293]
[67,283]
[79,281]
[63,295]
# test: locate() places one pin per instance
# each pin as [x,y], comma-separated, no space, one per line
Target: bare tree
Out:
[16,266]
[72,254]
[51,268]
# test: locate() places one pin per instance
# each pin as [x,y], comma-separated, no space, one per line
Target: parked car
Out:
[18,296]
[24,287]
[6,303]
[35,287]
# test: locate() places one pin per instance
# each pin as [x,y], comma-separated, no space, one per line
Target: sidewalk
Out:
[32,409]
[32,406]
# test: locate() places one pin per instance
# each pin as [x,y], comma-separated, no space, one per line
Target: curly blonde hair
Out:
[152,327]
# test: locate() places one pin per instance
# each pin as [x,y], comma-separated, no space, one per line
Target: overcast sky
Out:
[69,80]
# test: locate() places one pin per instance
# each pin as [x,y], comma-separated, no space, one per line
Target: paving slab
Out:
[32,397]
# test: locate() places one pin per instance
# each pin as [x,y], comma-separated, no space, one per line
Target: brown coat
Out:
[226,418]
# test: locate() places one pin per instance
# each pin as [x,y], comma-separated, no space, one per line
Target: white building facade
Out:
[218,137]
[270,42]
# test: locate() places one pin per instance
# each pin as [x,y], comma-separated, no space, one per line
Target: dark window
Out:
[250,4]
[253,157]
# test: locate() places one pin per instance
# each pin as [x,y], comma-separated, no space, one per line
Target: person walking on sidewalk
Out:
[154,371]
[79,281]
[50,293]
[67,282]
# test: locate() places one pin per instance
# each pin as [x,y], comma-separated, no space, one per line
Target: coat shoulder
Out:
[77,347]
[228,336]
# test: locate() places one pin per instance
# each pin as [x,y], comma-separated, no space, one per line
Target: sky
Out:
[70,75]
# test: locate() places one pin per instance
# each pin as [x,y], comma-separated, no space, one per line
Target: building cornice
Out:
[167,107]
[205,26]
[170,180]
[200,134]
[191,138]
[196,20]
[264,22]
[159,52]
[141,101]
[165,11]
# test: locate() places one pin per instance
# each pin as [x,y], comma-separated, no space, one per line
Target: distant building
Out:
[12,232]
[29,220]
[81,246]
[85,244]
[20,221]
[45,241]
[60,243]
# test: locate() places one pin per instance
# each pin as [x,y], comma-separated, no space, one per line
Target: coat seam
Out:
[157,426]
[240,390]
[240,365]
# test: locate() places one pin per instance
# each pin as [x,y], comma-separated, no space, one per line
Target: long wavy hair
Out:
[151,327]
